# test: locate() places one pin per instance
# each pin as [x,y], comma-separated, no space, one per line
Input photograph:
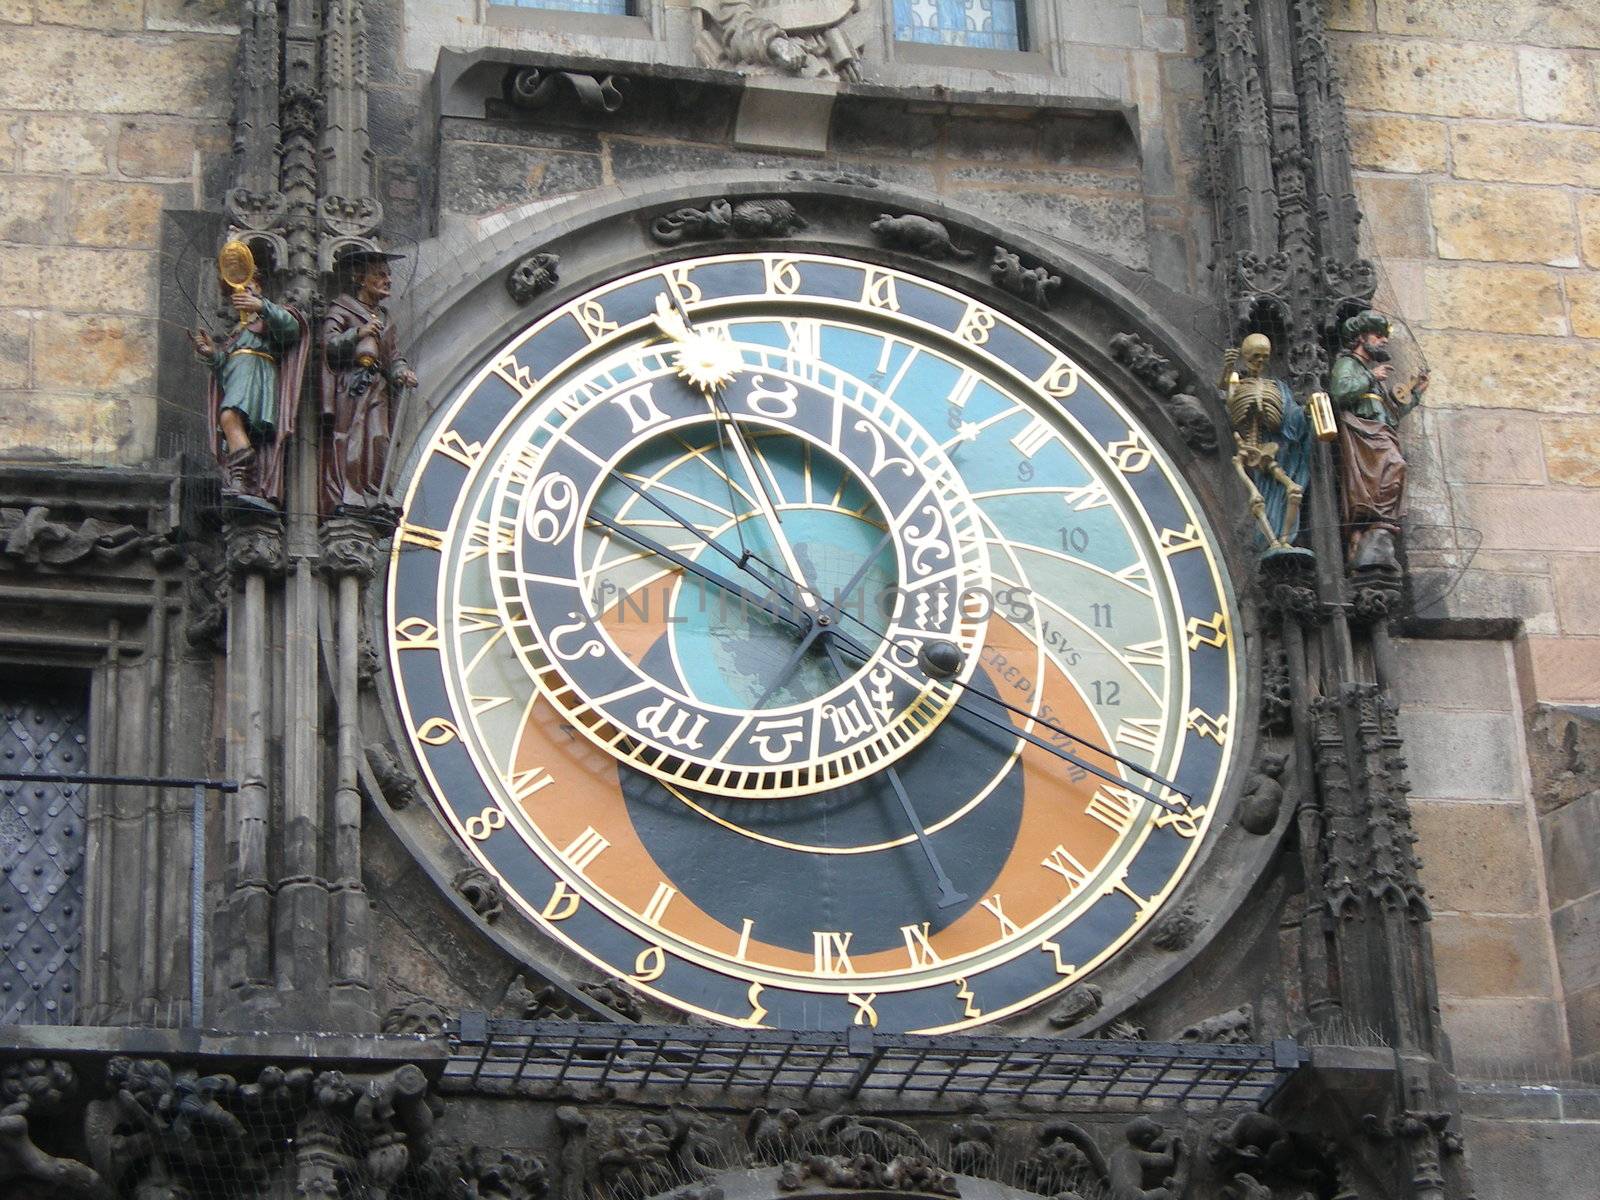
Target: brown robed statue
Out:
[1372,469]
[363,380]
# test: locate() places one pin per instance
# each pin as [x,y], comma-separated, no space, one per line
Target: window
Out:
[607,8]
[977,24]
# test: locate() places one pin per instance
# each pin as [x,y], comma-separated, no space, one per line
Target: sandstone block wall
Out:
[110,111]
[1476,134]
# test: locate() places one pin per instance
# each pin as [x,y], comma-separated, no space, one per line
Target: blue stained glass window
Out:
[980,24]
[607,8]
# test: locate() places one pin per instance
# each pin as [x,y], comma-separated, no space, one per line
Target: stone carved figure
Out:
[813,39]
[364,379]
[1263,795]
[1272,439]
[1033,284]
[917,235]
[254,392]
[1154,1165]
[1372,469]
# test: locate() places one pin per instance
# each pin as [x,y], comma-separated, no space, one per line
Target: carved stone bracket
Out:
[399,786]
[532,274]
[1034,284]
[922,236]
[479,889]
[417,1016]
[253,543]
[1159,374]
[719,219]
[534,88]
[349,547]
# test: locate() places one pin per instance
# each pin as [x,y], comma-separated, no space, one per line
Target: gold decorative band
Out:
[252,353]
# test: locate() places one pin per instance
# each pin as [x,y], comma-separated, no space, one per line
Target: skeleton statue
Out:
[1272,437]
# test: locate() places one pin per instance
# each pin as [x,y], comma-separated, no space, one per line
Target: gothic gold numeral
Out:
[1185,822]
[968,1001]
[585,848]
[414,633]
[452,445]
[421,535]
[562,904]
[1207,633]
[484,538]
[436,731]
[975,325]
[521,379]
[744,939]
[678,280]
[1175,542]
[1061,380]
[1208,726]
[783,277]
[878,290]
[1130,455]
[865,1013]
[481,826]
[831,952]
[650,964]
[918,947]
[591,316]
[758,1011]
[1054,951]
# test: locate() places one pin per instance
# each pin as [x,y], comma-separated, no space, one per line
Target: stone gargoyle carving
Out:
[813,39]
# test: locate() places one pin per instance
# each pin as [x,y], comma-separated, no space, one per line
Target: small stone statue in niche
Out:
[363,380]
[1273,439]
[1372,469]
[254,389]
[818,39]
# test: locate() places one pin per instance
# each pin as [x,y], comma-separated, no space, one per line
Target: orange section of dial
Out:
[587,795]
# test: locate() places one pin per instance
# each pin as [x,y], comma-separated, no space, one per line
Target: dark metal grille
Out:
[41,855]
[562,1057]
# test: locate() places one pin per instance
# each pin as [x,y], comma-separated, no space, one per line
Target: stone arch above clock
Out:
[1093,311]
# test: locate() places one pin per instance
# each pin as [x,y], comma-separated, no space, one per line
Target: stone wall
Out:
[110,111]
[1476,131]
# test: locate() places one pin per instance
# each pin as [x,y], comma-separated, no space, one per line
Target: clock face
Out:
[797,638]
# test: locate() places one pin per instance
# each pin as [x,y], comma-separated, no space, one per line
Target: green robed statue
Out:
[256,373]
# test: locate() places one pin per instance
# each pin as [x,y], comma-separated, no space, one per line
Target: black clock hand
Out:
[948,895]
[822,621]
[856,650]
[802,623]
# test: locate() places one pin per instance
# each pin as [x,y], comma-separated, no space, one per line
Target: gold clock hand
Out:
[709,363]
[694,568]
[948,895]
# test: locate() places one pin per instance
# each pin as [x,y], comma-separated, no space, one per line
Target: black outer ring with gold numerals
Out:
[1006,983]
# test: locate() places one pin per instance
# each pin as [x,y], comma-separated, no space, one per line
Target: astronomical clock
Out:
[811,644]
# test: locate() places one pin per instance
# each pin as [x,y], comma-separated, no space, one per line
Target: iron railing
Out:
[551,1057]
